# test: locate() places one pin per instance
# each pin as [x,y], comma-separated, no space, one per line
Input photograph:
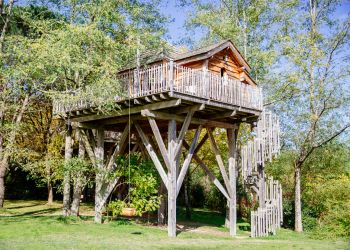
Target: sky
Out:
[178,14]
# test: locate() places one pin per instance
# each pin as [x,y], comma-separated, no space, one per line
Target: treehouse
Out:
[171,94]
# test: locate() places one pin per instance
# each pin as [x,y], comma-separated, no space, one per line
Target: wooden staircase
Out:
[263,148]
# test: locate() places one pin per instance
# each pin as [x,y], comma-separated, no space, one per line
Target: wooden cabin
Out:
[171,94]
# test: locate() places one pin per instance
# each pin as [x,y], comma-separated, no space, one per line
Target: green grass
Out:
[34,225]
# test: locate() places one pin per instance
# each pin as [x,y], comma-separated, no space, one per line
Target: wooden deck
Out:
[168,80]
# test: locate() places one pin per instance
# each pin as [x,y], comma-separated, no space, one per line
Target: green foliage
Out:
[116,207]
[141,178]
[330,198]
[246,23]
[325,188]
[79,168]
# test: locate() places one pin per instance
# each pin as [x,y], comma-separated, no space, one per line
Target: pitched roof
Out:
[208,51]
[171,53]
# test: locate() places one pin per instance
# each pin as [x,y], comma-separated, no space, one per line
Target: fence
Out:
[170,77]
[266,220]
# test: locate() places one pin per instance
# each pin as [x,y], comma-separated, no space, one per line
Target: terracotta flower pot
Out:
[128,212]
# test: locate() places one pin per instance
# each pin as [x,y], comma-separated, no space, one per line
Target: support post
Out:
[171,77]
[261,173]
[232,138]
[68,151]
[172,179]
[99,155]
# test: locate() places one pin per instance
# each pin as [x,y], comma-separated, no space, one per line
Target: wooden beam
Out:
[187,160]
[163,96]
[91,138]
[196,107]
[152,154]
[112,121]
[119,146]
[183,131]
[180,118]
[159,141]
[211,176]
[172,173]
[138,101]
[133,110]
[201,143]
[84,125]
[148,99]
[219,161]
[231,141]
[88,148]
[155,98]
[222,115]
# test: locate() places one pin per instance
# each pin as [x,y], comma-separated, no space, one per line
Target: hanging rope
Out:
[129,137]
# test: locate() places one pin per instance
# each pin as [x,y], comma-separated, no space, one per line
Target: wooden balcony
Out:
[180,82]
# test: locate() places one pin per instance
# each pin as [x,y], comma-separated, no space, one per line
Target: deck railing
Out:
[173,78]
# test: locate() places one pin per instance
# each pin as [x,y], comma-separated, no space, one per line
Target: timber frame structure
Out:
[197,91]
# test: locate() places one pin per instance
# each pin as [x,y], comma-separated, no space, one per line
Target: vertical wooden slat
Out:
[172,179]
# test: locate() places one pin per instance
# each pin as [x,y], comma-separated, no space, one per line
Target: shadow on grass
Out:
[202,217]
[36,212]
[24,206]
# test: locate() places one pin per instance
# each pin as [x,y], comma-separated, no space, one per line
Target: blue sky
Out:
[178,14]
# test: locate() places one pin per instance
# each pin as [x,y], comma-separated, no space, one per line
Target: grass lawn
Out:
[34,225]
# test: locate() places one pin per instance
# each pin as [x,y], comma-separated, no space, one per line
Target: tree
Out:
[17,79]
[245,22]
[314,53]
[80,59]
[42,142]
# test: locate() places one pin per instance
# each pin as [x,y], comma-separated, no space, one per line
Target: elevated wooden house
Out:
[169,95]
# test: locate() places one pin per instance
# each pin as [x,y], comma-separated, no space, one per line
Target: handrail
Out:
[199,83]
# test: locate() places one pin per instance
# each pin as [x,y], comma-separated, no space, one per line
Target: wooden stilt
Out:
[172,179]
[232,137]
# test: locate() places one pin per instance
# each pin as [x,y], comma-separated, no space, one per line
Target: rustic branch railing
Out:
[266,220]
[170,77]
[263,147]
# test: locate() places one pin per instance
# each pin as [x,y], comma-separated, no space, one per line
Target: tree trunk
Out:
[162,217]
[5,151]
[298,226]
[50,193]
[6,23]
[99,189]
[78,184]
[187,196]
[76,195]
[66,180]
[3,168]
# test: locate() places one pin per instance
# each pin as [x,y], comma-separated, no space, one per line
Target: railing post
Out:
[171,77]
[261,99]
